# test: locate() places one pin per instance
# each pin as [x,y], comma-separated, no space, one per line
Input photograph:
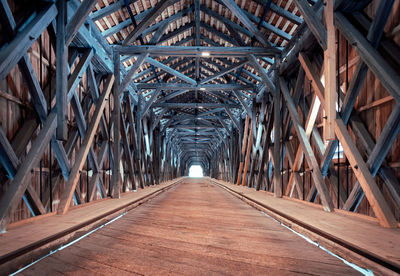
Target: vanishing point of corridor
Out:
[195,228]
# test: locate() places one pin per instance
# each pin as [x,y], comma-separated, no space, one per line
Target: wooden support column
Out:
[66,197]
[330,74]
[246,127]
[61,73]
[248,153]
[277,138]
[116,171]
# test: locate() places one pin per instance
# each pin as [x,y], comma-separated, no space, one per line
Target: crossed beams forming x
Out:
[54,123]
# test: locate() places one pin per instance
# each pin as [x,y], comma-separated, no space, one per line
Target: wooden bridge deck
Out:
[195,228]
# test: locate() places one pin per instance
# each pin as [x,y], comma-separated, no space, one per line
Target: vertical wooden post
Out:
[61,73]
[330,74]
[277,138]
[246,127]
[248,153]
[116,171]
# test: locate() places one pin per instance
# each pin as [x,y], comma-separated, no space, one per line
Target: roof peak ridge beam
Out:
[194,51]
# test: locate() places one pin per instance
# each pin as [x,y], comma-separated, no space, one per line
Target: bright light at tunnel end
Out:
[196,171]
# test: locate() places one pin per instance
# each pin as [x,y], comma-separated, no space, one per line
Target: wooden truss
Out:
[130,107]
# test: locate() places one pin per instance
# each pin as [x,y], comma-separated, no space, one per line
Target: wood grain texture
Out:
[360,232]
[195,228]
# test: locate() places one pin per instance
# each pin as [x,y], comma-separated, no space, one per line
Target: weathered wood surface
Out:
[16,238]
[196,228]
[360,231]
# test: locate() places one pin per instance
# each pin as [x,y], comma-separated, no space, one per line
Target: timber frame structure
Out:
[296,97]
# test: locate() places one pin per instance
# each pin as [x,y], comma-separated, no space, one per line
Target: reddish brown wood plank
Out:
[194,228]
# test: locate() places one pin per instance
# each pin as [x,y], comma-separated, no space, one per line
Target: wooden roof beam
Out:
[195,105]
[78,19]
[171,71]
[239,13]
[185,86]
[195,51]
[389,78]
[177,32]
[225,71]
[147,21]
[313,22]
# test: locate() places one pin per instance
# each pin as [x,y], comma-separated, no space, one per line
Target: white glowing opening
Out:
[196,171]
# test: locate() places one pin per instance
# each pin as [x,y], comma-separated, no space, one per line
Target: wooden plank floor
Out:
[46,227]
[361,232]
[195,228]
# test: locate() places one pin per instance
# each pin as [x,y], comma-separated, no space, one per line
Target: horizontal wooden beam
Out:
[194,105]
[170,70]
[184,86]
[224,71]
[195,51]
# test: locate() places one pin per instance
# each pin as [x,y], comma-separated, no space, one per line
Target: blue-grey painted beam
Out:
[195,51]
[313,22]
[168,20]
[177,32]
[61,73]
[106,10]
[226,21]
[224,71]
[170,70]
[117,28]
[256,65]
[389,78]
[17,48]
[184,86]
[194,105]
[239,13]
[149,19]
[77,20]
[221,35]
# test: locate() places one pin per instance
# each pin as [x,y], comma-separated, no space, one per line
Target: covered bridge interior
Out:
[289,107]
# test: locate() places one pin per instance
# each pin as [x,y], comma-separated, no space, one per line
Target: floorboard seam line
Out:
[68,244]
[362,270]
[367,255]
[33,246]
